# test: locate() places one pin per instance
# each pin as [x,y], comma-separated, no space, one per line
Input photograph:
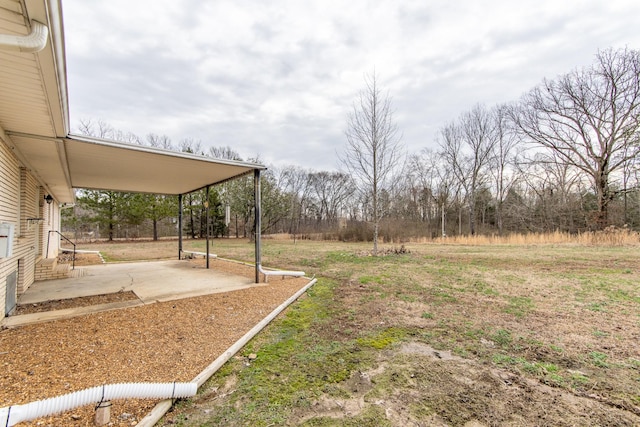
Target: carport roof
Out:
[84,162]
[102,164]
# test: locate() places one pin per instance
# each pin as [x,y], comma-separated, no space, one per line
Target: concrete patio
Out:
[153,281]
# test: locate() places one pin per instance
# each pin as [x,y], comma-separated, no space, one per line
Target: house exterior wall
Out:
[9,190]
[24,244]
[22,204]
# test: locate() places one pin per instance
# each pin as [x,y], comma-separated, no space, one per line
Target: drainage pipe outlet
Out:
[12,415]
[268,273]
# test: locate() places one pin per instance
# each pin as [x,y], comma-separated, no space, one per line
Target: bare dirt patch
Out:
[417,385]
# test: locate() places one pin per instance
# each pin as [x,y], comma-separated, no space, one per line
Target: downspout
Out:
[35,41]
[258,222]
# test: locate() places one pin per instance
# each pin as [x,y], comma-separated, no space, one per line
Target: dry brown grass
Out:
[611,236]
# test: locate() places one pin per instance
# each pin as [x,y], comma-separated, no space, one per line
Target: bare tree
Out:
[503,158]
[373,149]
[478,133]
[589,118]
[190,145]
[552,192]
[226,153]
[296,183]
[467,147]
[428,187]
[160,141]
[128,137]
[451,145]
[418,185]
[330,190]
[98,129]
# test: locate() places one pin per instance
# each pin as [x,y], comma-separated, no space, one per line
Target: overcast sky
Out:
[277,79]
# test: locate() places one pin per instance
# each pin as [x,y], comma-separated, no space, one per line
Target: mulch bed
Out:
[162,342]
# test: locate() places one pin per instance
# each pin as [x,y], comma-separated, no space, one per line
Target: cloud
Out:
[278,78]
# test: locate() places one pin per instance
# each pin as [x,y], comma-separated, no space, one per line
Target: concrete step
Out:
[48,269]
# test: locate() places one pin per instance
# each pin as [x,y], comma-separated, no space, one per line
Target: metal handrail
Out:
[73,259]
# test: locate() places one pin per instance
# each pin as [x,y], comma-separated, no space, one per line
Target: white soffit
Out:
[43,157]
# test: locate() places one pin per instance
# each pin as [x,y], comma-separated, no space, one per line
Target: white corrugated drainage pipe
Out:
[202,254]
[278,273]
[13,415]
[35,41]
[162,407]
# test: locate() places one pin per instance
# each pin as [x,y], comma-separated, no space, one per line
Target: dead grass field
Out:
[443,335]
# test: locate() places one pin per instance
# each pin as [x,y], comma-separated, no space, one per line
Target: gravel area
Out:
[162,342]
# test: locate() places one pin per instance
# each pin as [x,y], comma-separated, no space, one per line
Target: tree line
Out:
[564,157]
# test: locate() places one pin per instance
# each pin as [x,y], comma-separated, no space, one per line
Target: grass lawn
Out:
[457,335]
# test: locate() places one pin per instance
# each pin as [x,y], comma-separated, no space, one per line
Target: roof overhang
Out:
[92,163]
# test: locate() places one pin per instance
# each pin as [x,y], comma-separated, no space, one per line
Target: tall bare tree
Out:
[374,149]
[589,119]
[295,182]
[504,158]
[451,146]
[467,147]
[478,133]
